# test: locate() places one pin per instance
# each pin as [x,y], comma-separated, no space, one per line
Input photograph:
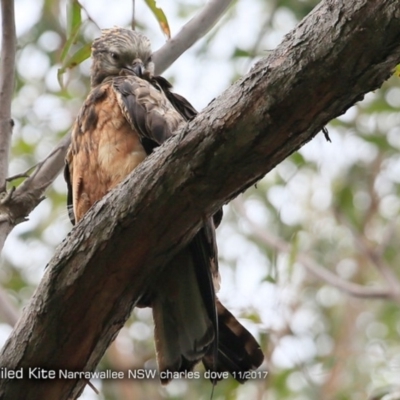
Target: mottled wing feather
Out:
[147,110]
[184,108]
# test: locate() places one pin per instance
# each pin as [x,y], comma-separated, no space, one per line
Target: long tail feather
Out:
[182,328]
[238,351]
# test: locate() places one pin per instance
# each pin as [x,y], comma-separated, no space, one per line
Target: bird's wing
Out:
[147,109]
[180,104]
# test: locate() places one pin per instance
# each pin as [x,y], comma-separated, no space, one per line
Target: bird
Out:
[128,113]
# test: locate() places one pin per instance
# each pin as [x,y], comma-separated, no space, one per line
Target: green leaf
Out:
[298,159]
[397,70]
[270,279]
[161,18]
[74,18]
[74,23]
[240,53]
[80,55]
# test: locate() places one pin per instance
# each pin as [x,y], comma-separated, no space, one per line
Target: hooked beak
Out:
[137,68]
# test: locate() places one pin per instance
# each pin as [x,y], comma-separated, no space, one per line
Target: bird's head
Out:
[120,50]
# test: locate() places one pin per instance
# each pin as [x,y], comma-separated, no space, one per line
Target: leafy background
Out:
[330,207]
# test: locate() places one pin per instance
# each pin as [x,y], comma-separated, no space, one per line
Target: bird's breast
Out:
[105,150]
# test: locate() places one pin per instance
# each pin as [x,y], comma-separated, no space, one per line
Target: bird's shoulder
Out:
[100,104]
[145,93]
[182,105]
[147,109]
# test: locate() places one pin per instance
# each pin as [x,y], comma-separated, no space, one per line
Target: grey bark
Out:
[7,62]
[341,51]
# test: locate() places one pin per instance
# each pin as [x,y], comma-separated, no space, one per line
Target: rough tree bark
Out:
[341,51]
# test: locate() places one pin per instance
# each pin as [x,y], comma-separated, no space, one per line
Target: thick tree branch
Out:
[191,32]
[341,51]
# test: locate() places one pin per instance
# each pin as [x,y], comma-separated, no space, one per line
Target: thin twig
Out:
[7,71]
[47,170]
[195,29]
[90,384]
[382,267]
[30,193]
[311,265]
[24,174]
[375,257]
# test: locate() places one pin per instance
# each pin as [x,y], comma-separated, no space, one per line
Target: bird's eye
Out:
[115,56]
[150,59]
